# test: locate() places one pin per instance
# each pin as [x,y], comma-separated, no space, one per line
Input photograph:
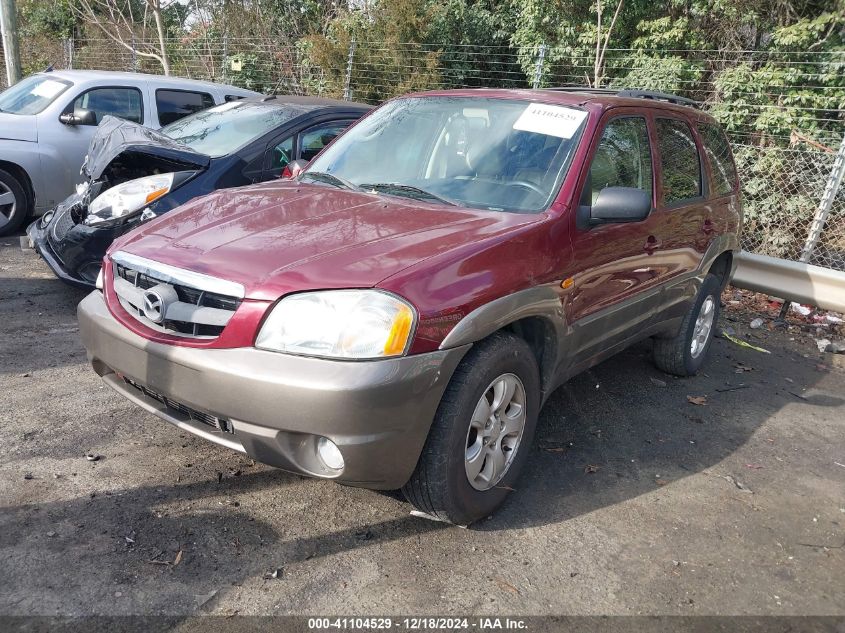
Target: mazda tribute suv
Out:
[397,314]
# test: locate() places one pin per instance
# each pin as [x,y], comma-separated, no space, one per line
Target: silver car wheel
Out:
[703,326]
[8,204]
[495,431]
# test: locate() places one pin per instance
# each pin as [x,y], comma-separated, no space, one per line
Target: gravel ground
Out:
[736,506]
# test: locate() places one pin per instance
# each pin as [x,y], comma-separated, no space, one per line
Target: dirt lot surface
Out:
[636,500]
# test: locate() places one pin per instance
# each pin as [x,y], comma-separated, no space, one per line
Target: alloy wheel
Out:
[8,204]
[703,326]
[495,431]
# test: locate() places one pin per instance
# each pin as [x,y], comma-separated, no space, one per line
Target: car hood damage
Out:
[284,236]
[122,150]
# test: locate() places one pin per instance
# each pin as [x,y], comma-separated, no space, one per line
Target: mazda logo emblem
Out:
[153,308]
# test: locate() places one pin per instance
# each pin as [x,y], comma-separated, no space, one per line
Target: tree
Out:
[129,24]
[601,47]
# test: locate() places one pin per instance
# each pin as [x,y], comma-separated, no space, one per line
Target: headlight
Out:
[127,198]
[339,324]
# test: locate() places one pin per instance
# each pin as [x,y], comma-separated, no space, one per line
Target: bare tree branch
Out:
[601,49]
[117,22]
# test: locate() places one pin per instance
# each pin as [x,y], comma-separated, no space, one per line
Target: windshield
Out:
[32,95]
[223,129]
[496,154]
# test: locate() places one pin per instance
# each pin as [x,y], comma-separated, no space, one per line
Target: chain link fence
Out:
[785,149]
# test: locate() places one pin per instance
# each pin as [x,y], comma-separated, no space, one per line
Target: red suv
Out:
[396,316]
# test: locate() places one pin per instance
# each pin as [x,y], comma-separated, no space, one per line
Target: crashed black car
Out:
[133,174]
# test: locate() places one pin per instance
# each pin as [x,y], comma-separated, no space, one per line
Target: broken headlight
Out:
[130,198]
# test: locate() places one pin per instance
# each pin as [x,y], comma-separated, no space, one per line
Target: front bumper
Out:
[38,238]
[277,405]
[74,251]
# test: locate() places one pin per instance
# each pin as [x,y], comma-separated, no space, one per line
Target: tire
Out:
[440,486]
[14,214]
[676,355]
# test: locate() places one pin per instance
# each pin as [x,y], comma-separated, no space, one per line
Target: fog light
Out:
[329,453]
[46,219]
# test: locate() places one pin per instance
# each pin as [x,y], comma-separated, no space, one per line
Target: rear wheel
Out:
[481,434]
[685,353]
[14,205]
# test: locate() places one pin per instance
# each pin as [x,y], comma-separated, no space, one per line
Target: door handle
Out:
[708,227]
[651,244]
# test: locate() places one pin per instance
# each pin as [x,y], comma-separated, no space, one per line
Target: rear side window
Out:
[172,105]
[124,103]
[622,159]
[719,154]
[679,161]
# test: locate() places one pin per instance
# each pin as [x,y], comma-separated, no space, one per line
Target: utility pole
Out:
[9,27]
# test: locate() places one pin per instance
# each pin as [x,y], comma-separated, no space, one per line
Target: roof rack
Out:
[657,96]
[633,94]
[608,91]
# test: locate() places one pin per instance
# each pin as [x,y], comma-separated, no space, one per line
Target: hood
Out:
[282,237]
[15,127]
[117,137]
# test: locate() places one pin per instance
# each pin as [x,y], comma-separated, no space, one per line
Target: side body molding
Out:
[561,339]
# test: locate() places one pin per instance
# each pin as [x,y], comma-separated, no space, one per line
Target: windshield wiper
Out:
[331,179]
[408,191]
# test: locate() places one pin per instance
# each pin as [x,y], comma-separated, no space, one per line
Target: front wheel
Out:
[685,353]
[481,435]
[14,204]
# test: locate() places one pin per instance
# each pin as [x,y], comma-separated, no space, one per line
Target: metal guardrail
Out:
[792,281]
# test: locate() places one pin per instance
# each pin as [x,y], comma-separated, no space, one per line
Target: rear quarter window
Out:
[172,105]
[718,152]
[679,161]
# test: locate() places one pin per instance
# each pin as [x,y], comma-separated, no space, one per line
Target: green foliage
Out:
[39,18]
[248,70]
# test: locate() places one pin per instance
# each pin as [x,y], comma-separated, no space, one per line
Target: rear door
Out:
[614,288]
[724,184]
[684,214]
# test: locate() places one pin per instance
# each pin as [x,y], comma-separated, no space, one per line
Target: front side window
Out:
[622,158]
[280,155]
[225,128]
[32,95]
[314,140]
[124,103]
[173,105]
[494,154]
[679,161]
[719,154]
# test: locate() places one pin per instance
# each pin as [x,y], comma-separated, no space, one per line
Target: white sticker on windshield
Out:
[48,88]
[551,120]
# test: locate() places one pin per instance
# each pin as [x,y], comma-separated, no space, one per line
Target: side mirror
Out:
[616,205]
[79,116]
[293,169]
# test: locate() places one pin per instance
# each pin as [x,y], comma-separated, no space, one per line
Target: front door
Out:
[71,141]
[616,266]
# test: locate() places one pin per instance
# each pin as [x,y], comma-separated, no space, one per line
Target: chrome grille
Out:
[221,424]
[193,309]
